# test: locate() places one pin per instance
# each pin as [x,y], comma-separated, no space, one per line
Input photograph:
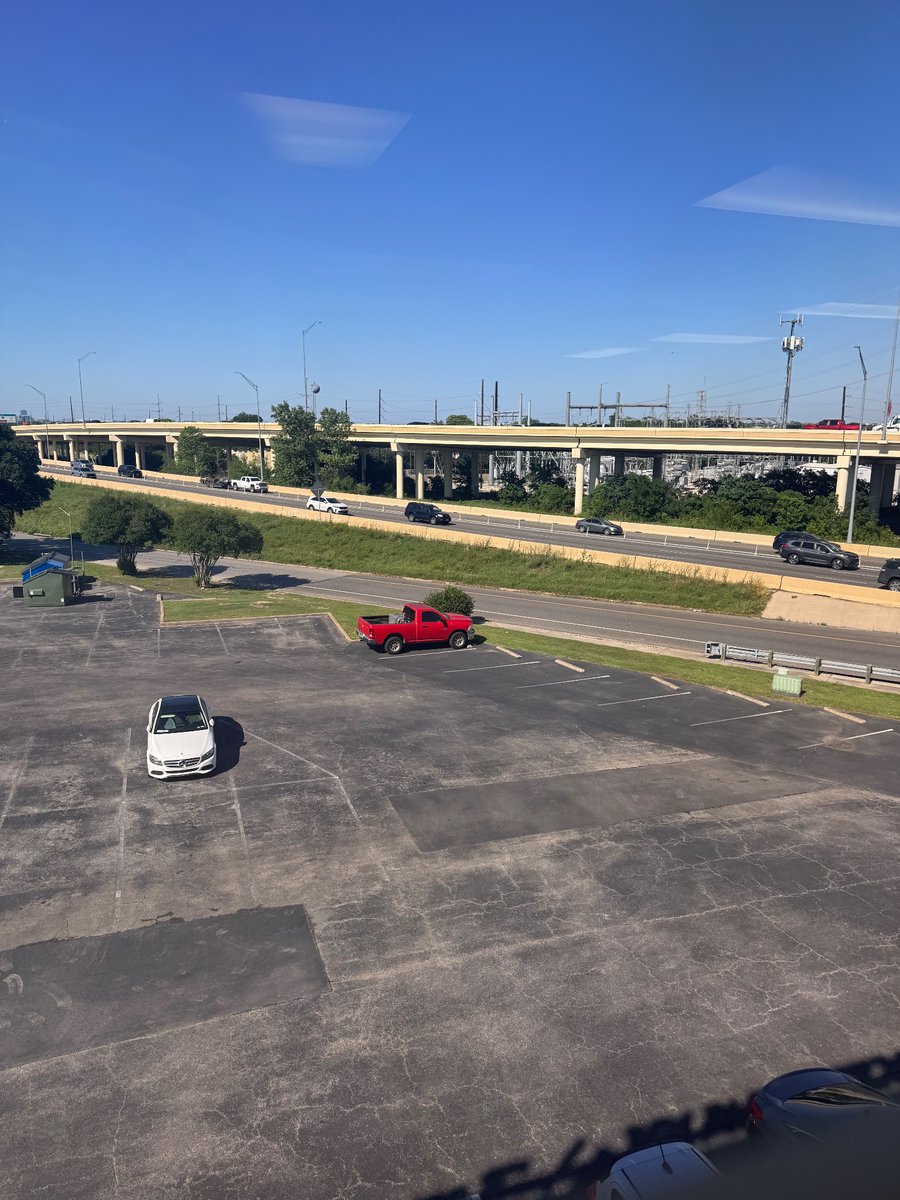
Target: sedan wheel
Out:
[837,564]
[793,559]
[607,532]
[582,529]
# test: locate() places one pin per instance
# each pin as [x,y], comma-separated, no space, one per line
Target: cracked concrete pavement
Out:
[423,920]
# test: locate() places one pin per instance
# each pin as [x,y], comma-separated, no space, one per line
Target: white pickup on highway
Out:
[249,483]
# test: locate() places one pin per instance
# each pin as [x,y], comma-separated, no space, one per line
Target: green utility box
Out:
[787,685]
[49,582]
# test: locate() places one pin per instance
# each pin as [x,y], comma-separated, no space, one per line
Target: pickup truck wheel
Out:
[458,640]
[393,644]
[894,584]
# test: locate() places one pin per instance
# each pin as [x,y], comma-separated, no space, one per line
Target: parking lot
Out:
[430,915]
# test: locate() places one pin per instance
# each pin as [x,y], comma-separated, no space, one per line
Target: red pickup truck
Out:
[833,423]
[417,625]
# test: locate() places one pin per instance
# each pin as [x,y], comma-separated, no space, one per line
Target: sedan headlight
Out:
[156,762]
[208,755]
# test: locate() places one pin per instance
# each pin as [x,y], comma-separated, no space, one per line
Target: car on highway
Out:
[180,737]
[325,503]
[671,1169]
[816,1103]
[832,423]
[598,525]
[788,535]
[889,575]
[215,481]
[249,483]
[129,472]
[817,553]
[416,625]
[417,510]
[85,469]
[893,425]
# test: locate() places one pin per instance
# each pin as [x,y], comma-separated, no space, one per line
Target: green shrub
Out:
[451,599]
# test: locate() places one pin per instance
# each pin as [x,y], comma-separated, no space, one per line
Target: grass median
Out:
[338,545]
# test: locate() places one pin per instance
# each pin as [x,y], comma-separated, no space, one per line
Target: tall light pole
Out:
[262,465]
[71,540]
[862,413]
[81,386]
[305,380]
[43,396]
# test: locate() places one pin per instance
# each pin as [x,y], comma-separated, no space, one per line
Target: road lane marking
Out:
[773,712]
[853,738]
[532,662]
[122,821]
[560,682]
[642,699]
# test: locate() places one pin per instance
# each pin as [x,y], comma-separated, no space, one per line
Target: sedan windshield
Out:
[180,721]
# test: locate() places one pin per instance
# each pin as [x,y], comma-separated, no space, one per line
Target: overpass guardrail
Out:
[867,672]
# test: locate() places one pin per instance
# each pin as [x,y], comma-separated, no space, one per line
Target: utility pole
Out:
[843,403]
[668,395]
[435,412]
[219,407]
[379,406]
[568,409]
[346,408]
[71,411]
[158,407]
[496,401]
[862,412]
[887,402]
[179,412]
[481,421]
[790,345]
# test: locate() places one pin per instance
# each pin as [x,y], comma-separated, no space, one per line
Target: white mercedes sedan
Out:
[180,737]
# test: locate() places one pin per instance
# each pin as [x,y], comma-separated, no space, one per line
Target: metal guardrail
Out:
[800,662]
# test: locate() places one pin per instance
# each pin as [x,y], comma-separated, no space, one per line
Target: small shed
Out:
[49,581]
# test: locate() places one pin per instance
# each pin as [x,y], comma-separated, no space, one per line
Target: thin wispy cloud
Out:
[609,352]
[787,191]
[835,308]
[711,339]
[310,133]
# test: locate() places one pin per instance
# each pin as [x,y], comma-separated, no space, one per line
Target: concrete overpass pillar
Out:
[419,463]
[54,450]
[362,466]
[618,462]
[579,485]
[659,462]
[139,456]
[474,477]
[593,470]
[119,447]
[398,469]
[881,488]
[844,475]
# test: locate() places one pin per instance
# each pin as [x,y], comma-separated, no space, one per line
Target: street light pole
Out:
[43,396]
[305,379]
[862,413]
[262,466]
[80,386]
[71,540]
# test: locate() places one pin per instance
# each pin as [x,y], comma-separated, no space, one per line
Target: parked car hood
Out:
[180,745]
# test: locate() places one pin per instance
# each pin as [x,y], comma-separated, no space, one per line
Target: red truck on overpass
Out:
[417,625]
[833,423]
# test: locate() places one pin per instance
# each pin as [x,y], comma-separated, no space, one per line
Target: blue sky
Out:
[525,192]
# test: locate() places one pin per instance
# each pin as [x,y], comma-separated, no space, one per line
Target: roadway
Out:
[642,625]
[684,549]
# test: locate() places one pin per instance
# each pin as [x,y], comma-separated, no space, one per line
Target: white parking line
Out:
[642,699]
[853,738]
[559,682]
[532,662]
[773,712]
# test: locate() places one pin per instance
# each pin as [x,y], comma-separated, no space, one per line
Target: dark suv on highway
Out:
[130,472]
[889,575]
[818,554]
[416,510]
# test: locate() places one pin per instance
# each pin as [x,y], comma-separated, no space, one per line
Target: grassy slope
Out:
[341,546]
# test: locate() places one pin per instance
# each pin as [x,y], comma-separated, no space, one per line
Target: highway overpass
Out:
[586,443]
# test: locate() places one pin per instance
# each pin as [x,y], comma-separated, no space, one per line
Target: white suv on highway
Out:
[325,503]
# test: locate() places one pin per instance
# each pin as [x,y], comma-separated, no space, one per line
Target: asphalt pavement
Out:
[656,627]
[650,545]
